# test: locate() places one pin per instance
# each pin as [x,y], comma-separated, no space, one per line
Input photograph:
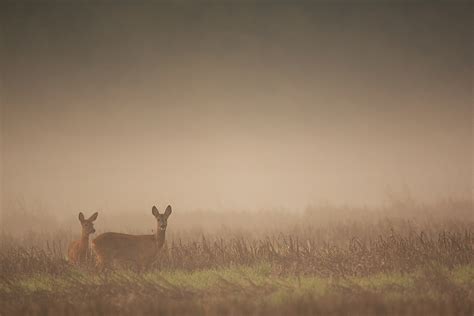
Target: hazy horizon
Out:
[235,106]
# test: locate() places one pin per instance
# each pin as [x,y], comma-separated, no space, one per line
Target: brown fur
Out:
[140,250]
[78,252]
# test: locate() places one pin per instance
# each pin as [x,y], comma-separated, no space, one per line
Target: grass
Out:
[390,266]
[233,289]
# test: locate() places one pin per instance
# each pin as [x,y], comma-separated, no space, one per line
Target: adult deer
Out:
[138,249]
[78,251]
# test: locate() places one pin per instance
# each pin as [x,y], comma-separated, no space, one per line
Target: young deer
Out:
[78,252]
[138,249]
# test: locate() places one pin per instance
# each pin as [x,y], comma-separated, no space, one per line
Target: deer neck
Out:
[160,237]
[85,239]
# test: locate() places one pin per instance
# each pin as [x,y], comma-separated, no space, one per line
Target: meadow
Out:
[404,259]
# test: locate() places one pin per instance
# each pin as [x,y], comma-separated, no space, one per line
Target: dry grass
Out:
[372,266]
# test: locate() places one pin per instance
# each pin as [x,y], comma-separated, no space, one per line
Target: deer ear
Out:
[93,217]
[168,211]
[154,211]
[81,216]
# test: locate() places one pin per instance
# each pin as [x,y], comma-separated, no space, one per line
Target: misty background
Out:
[234,105]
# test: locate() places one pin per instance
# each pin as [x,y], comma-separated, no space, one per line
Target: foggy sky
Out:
[234,105]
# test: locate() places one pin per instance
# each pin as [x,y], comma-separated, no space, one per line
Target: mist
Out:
[230,107]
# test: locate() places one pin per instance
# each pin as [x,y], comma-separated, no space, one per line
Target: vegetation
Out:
[366,267]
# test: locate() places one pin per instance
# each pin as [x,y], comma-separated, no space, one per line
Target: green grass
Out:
[464,275]
[240,283]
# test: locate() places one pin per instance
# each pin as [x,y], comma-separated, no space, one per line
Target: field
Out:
[334,261]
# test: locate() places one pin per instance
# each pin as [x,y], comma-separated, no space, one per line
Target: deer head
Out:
[88,224]
[161,219]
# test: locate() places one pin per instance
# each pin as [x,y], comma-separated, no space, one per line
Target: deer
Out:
[78,252]
[140,250]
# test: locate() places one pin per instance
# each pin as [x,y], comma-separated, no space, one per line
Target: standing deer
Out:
[78,252]
[138,249]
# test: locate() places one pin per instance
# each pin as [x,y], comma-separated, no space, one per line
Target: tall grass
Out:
[296,264]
